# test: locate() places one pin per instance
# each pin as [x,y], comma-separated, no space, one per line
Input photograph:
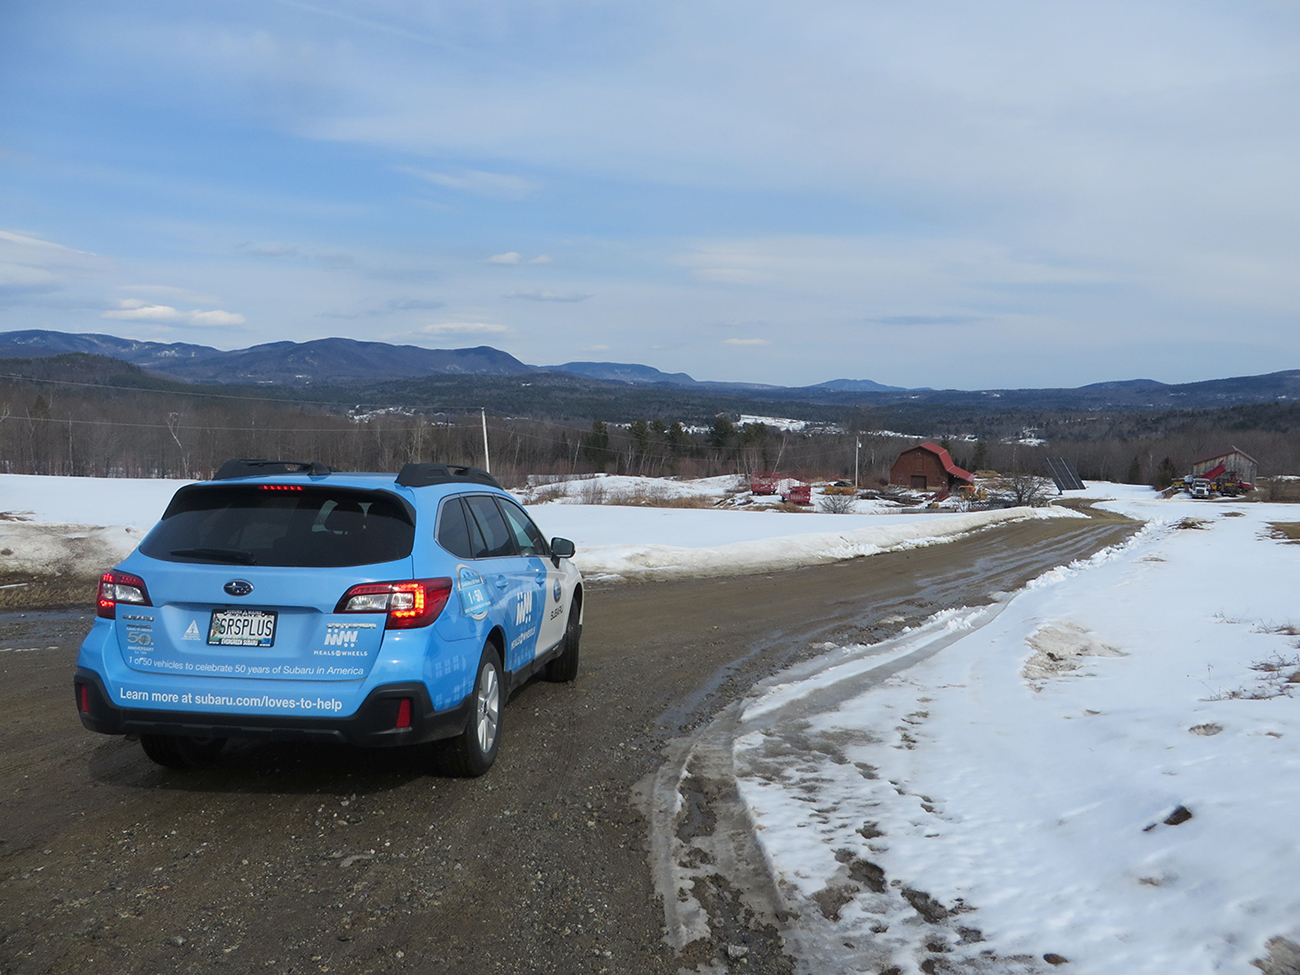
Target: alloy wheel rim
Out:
[488,708]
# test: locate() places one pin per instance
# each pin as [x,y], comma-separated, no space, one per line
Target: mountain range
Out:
[340,362]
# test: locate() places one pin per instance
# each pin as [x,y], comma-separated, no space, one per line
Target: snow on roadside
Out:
[1021,798]
[699,543]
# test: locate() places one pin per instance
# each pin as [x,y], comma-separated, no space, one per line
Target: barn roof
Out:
[1225,453]
[946,460]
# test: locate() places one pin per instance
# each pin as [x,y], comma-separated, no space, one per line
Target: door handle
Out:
[502,582]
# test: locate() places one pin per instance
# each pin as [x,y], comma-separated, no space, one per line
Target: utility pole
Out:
[487,460]
[857,450]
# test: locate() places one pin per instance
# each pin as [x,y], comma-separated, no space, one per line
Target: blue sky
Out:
[938,194]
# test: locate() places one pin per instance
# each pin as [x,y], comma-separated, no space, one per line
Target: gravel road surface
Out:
[287,858]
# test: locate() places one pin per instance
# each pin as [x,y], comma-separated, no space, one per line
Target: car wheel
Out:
[564,668]
[472,752]
[181,752]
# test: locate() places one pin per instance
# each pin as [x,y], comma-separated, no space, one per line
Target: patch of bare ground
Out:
[20,591]
[1286,531]
[1279,490]
[1283,958]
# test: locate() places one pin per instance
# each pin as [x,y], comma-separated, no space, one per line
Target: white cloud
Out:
[548,296]
[37,244]
[746,342]
[542,259]
[214,317]
[464,328]
[597,348]
[509,257]
[476,181]
[135,310]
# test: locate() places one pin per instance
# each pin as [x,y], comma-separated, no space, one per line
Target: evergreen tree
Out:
[679,441]
[721,433]
[1166,474]
[595,445]
[1135,471]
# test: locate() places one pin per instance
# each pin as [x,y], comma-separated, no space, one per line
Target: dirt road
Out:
[294,859]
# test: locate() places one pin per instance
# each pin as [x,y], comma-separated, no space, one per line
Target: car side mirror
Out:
[562,548]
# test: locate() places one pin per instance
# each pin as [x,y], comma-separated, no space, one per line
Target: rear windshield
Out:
[253,524]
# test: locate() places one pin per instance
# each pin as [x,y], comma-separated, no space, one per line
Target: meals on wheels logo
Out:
[523,607]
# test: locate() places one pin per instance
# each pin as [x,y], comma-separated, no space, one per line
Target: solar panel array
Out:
[1064,474]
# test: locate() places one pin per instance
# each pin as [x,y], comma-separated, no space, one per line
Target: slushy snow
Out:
[1026,792]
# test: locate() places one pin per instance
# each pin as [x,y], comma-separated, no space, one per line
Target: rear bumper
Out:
[374,725]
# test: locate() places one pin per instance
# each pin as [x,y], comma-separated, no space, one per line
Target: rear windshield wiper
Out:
[234,555]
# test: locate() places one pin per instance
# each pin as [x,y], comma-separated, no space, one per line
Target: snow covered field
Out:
[90,523]
[1104,770]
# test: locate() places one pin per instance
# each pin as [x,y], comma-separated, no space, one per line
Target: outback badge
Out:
[238,587]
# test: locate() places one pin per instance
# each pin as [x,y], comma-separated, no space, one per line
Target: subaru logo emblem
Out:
[238,587]
[556,591]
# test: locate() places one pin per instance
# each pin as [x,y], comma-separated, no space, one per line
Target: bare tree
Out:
[836,504]
[1028,490]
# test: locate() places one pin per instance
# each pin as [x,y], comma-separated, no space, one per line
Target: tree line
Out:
[52,428]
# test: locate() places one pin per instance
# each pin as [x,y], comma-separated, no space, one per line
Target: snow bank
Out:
[695,543]
[627,489]
[977,809]
[61,549]
[76,526]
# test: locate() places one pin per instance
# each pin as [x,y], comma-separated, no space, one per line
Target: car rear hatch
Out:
[244,581]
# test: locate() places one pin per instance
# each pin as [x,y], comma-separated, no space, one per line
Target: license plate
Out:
[242,628]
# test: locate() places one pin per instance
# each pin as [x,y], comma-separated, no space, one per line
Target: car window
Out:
[497,537]
[453,530]
[527,536]
[252,524]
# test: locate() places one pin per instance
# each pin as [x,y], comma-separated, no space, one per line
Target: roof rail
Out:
[260,468]
[423,475]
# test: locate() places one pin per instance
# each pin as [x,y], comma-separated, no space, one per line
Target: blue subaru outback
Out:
[288,601]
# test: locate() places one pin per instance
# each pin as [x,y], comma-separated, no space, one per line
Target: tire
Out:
[472,752]
[564,668]
[180,752]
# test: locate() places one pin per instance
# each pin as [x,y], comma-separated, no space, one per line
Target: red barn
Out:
[928,468]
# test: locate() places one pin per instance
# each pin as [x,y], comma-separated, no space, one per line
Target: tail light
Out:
[83,698]
[120,587]
[408,604]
